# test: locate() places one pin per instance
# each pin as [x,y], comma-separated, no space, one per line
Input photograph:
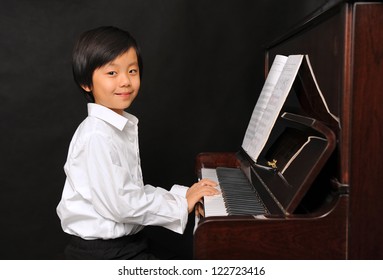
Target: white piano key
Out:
[214,205]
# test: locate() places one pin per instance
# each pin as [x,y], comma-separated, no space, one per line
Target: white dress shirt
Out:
[104,195]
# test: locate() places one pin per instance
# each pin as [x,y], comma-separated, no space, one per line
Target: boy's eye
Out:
[133,71]
[112,73]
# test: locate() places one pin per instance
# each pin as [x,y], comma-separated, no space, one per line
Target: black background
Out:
[203,71]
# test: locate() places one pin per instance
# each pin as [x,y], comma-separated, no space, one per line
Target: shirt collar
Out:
[111,117]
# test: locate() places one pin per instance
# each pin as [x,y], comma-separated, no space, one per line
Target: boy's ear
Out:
[86,88]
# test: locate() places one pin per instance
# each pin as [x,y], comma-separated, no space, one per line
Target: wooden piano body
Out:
[342,208]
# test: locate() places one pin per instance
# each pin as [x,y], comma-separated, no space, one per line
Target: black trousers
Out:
[131,247]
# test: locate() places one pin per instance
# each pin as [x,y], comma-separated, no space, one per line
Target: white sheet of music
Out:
[273,95]
[268,87]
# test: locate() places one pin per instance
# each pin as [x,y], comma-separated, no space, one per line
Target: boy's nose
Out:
[125,80]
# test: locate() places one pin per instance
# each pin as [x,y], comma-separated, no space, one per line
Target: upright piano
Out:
[327,203]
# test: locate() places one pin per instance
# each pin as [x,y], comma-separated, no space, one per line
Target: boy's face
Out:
[116,84]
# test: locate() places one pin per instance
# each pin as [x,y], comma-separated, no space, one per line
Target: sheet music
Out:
[271,80]
[267,113]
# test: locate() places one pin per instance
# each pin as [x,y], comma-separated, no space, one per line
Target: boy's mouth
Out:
[123,93]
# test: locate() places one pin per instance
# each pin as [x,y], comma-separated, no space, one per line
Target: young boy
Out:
[105,204]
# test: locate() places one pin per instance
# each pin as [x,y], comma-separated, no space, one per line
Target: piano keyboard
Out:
[237,197]
[214,205]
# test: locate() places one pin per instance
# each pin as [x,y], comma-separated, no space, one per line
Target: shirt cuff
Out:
[179,190]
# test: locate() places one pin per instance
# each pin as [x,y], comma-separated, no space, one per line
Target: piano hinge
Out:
[339,187]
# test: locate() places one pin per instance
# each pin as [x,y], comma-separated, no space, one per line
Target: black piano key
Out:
[239,195]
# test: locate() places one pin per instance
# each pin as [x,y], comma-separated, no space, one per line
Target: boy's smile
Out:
[115,84]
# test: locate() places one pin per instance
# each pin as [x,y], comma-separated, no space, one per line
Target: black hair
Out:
[97,47]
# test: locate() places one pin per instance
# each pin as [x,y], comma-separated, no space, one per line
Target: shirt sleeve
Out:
[179,190]
[116,196]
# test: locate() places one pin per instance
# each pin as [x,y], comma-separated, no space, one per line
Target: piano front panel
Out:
[269,237]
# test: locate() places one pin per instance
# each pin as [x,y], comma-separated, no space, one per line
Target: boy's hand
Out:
[199,209]
[205,187]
